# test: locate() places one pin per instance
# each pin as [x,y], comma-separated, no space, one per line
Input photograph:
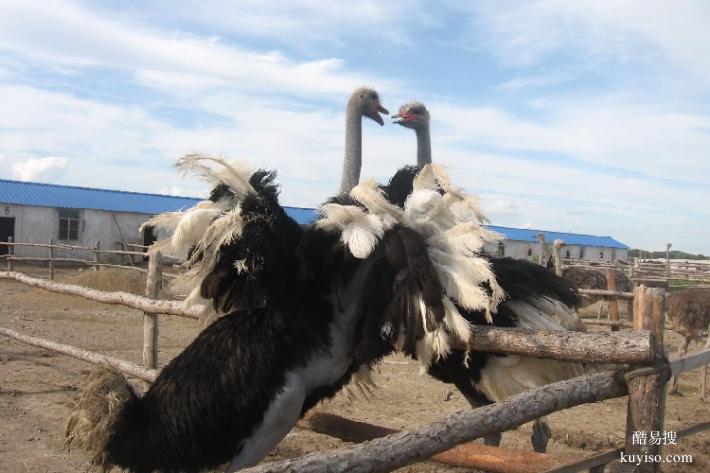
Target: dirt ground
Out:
[37,386]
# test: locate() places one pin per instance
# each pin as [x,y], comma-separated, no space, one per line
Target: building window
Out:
[68,224]
[601,255]
[529,250]
[501,249]
[569,255]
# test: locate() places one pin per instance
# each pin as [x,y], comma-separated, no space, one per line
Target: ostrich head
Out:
[412,115]
[366,102]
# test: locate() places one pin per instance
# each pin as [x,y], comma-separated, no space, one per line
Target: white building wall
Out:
[531,250]
[38,224]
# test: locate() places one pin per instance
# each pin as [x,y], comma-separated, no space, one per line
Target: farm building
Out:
[523,243]
[33,213]
[80,216]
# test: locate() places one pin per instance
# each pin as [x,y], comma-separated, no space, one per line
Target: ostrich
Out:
[188,227]
[535,299]
[364,102]
[689,314]
[591,278]
[306,308]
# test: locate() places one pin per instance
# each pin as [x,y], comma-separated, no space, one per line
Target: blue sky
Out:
[588,116]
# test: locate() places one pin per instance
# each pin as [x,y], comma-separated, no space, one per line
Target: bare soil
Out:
[37,386]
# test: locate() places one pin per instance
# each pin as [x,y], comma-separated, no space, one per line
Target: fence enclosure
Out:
[644,381]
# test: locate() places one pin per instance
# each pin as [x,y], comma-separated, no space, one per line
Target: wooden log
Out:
[404,448]
[606,292]
[620,347]
[150,320]
[119,298]
[690,362]
[97,255]
[50,263]
[10,253]
[557,248]
[541,242]
[704,371]
[613,303]
[608,323]
[468,455]
[81,354]
[668,260]
[73,247]
[647,393]
[44,258]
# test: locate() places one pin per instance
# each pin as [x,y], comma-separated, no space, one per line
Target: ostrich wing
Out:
[241,242]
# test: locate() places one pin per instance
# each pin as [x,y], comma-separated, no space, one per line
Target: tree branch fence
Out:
[644,381]
[94,261]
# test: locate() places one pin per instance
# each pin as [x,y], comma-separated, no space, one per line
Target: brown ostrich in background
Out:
[592,278]
[689,314]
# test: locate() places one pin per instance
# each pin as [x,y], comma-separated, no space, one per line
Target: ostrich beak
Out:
[374,113]
[403,118]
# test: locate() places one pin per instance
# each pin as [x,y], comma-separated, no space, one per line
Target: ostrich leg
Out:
[541,430]
[475,399]
[541,435]
[682,350]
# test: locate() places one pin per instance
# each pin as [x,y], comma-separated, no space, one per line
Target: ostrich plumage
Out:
[689,313]
[304,308]
[535,299]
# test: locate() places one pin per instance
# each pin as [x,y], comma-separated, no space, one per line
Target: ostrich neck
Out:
[423,146]
[353,151]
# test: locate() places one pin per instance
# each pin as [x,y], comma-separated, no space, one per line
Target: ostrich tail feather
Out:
[91,424]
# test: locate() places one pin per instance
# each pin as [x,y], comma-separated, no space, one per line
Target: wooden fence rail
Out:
[123,366]
[120,298]
[645,385]
[51,258]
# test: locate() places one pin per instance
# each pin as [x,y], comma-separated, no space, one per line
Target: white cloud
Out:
[40,169]
[496,207]
[609,131]
[594,32]
[301,23]
[174,190]
[68,34]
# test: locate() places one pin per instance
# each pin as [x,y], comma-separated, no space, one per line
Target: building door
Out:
[7,230]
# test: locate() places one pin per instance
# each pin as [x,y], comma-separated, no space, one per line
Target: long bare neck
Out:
[353,150]
[423,146]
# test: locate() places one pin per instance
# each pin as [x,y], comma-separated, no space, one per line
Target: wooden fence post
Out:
[150,321]
[557,248]
[612,300]
[10,253]
[647,385]
[668,260]
[541,239]
[51,259]
[704,371]
[97,255]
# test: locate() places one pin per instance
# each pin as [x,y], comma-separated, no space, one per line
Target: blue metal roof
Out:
[72,197]
[530,235]
[301,215]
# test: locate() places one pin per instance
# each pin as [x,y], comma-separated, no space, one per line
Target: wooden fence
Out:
[644,383]
[94,262]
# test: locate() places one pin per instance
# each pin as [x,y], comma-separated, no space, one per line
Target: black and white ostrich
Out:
[306,308]
[187,228]
[534,298]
